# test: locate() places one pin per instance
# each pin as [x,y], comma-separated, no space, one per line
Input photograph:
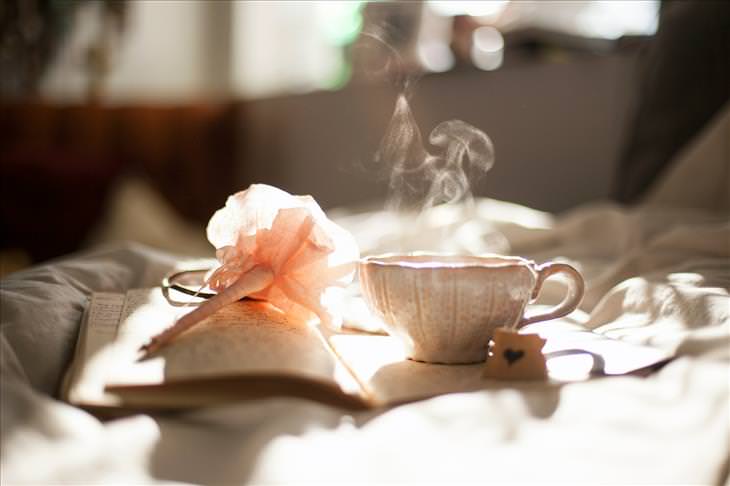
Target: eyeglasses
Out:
[188,282]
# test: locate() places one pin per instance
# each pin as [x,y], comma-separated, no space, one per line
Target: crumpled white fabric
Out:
[665,287]
[659,275]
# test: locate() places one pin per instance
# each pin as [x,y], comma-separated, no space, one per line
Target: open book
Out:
[252,350]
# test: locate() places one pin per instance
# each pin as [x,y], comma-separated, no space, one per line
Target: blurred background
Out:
[135,119]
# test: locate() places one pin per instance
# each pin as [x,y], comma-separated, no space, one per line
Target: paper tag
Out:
[516,356]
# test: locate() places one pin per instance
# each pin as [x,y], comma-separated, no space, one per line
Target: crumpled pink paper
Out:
[279,248]
[310,258]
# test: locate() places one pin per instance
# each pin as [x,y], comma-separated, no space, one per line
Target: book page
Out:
[380,365]
[572,354]
[246,338]
[251,339]
[98,330]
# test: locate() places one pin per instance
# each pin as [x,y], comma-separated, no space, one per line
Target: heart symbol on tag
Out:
[511,355]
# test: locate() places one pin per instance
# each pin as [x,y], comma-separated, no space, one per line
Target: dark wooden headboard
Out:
[59,162]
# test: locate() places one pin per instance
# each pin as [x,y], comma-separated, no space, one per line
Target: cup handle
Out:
[576,287]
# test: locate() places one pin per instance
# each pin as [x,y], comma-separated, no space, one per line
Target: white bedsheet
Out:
[656,274]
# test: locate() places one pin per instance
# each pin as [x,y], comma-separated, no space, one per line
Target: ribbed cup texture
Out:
[446,314]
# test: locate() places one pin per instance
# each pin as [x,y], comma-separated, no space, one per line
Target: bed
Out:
[657,274]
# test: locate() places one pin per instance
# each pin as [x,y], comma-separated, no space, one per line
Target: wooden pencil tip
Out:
[146,351]
[149,347]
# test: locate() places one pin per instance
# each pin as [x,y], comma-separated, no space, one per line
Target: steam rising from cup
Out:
[433,182]
[421,179]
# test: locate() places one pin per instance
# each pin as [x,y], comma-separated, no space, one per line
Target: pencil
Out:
[254,280]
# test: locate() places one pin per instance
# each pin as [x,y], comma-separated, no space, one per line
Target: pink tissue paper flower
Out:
[307,258]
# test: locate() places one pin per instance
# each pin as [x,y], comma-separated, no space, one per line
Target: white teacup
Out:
[445,308]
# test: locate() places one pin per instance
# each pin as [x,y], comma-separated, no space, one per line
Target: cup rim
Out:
[435,260]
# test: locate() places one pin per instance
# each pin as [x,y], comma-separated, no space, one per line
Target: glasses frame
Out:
[169,282]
